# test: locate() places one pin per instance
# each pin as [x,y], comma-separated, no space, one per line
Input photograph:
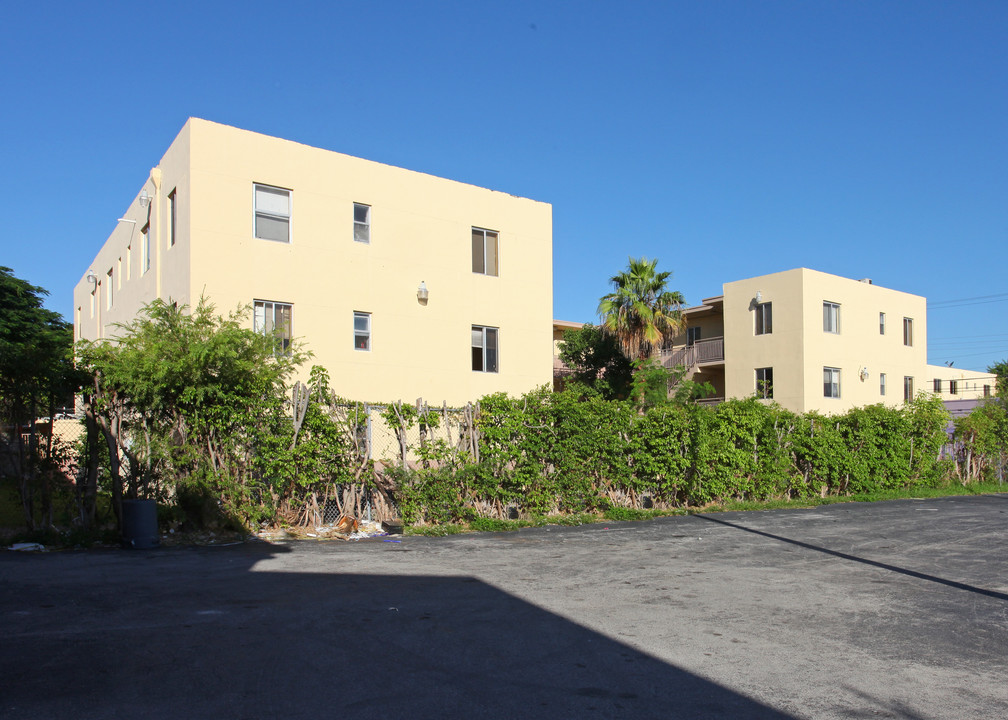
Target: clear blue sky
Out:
[728,139]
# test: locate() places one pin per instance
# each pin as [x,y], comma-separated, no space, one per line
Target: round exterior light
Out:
[421,292]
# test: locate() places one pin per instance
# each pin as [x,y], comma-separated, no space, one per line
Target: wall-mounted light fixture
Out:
[144,198]
[92,278]
[421,292]
[864,374]
[759,296]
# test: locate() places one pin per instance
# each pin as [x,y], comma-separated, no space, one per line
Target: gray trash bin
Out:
[139,524]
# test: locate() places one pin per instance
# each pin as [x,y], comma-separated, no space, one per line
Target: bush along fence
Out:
[315,457]
[547,452]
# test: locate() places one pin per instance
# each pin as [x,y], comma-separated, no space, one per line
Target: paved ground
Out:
[896,609]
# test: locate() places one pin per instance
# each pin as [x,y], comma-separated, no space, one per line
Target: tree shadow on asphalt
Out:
[203,634]
[865,561]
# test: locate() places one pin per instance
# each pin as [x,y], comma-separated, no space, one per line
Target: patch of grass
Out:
[435,530]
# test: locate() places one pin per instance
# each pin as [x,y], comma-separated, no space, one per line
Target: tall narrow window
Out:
[275,319]
[484,349]
[172,218]
[77,325]
[937,385]
[119,274]
[881,323]
[831,317]
[129,262]
[362,223]
[484,251]
[692,335]
[881,384]
[764,382]
[908,389]
[362,330]
[831,382]
[145,249]
[94,304]
[272,213]
[764,318]
[908,331]
[987,391]
[953,387]
[108,289]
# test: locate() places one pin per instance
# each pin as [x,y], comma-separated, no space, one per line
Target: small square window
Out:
[831,382]
[484,349]
[764,318]
[361,223]
[764,382]
[272,213]
[908,331]
[362,330]
[484,251]
[275,319]
[831,317]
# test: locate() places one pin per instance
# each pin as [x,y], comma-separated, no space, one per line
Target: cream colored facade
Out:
[830,344]
[227,188]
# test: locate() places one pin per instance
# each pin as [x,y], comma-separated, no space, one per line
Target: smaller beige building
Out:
[402,284]
[812,341]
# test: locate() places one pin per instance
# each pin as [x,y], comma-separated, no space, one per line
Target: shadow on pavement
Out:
[866,561]
[202,634]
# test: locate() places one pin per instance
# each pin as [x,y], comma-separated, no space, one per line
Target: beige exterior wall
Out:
[799,349]
[420,231]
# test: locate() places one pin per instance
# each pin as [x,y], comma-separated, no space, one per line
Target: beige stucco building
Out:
[816,342]
[402,284]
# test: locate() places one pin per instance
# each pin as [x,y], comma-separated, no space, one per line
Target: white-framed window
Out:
[764,382]
[108,289]
[362,331]
[172,218]
[908,331]
[881,384]
[484,251]
[881,323]
[272,213]
[764,318]
[484,348]
[692,335]
[275,319]
[361,223]
[908,388]
[831,317]
[953,387]
[831,382]
[145,244]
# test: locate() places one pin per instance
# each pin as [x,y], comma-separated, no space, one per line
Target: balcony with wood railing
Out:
[702,352]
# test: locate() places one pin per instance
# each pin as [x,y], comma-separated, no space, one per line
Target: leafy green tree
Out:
[36,376]
[597,361]
[187,399]
[641,311]
[1000,369]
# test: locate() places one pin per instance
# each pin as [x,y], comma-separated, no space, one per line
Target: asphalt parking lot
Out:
[896,609]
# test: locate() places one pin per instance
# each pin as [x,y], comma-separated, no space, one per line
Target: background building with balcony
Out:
[812,341]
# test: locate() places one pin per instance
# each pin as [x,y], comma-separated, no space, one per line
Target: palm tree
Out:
[641,312]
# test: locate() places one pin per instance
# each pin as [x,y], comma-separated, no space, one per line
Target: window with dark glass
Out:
[484,349]
[764,318]
[484,251]
[764,382]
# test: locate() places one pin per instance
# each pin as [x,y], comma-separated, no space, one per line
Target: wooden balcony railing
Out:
[702,351]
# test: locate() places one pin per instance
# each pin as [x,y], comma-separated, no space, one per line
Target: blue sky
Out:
[728,139]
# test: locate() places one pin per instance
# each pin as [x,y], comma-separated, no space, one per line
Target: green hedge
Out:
[548,452]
